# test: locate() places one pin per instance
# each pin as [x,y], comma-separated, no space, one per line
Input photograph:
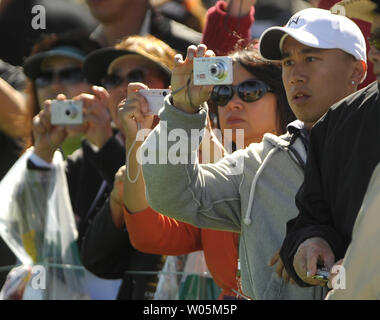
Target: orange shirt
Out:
[152,232]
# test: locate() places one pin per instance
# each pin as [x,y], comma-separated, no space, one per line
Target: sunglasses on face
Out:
[248,91]
[374,41]
[66,76]
[113,80]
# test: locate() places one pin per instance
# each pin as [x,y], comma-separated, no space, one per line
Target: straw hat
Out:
[97,63]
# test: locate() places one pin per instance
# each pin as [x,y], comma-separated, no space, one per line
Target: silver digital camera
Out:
[155,98]
[68,112]
[322,275]
[212,70]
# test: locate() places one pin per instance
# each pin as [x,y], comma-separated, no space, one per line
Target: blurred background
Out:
[18,36]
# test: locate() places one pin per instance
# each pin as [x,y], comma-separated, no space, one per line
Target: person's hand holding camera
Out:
[187,96]
[311,253]
[96,116]
[47,137]
[134,114]
[134,110]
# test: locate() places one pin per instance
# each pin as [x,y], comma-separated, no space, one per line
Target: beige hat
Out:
[98,62]
[359,9]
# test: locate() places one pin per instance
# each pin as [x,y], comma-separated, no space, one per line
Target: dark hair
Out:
[271,73]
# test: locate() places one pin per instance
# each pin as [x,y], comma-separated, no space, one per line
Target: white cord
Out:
[128,155]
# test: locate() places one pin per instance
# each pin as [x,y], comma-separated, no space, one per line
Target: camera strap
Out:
[101,190]
[127,160]
[187,85]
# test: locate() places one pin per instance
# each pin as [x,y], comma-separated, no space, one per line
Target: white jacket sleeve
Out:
[361,263]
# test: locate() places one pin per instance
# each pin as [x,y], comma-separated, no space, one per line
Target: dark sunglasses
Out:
[113,80]
[374,41]
[248,91]
[66,76]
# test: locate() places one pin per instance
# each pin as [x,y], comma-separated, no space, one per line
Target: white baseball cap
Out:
[317,28]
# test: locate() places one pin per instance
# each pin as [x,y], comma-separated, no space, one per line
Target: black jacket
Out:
[344,150]
[107,252]
[176,35]
[86,170]
[163,28]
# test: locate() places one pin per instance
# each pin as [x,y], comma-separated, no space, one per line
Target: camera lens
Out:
[71,111]
[218,70]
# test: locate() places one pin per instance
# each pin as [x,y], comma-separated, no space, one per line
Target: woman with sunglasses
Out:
[256,102]
[55,67]
[55,71]
[182,238]
[105,248]
[91,169]
[152,232]
[144,59]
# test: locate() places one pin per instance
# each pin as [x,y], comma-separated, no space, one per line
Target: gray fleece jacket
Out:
[251,191]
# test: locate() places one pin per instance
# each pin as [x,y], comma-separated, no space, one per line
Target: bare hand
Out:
[312,252]
[187,96]
[280,268]
[97,119]
[133,111]
[47,137]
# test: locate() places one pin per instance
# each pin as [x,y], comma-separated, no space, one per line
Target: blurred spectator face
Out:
[314,79]
[106,11]
[374,52]
[131,68]
[60,75]
[256,118]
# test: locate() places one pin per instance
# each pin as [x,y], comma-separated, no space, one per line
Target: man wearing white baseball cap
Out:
[316,28]
[259,201]
[333,51]
[344,150]
[324,60]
